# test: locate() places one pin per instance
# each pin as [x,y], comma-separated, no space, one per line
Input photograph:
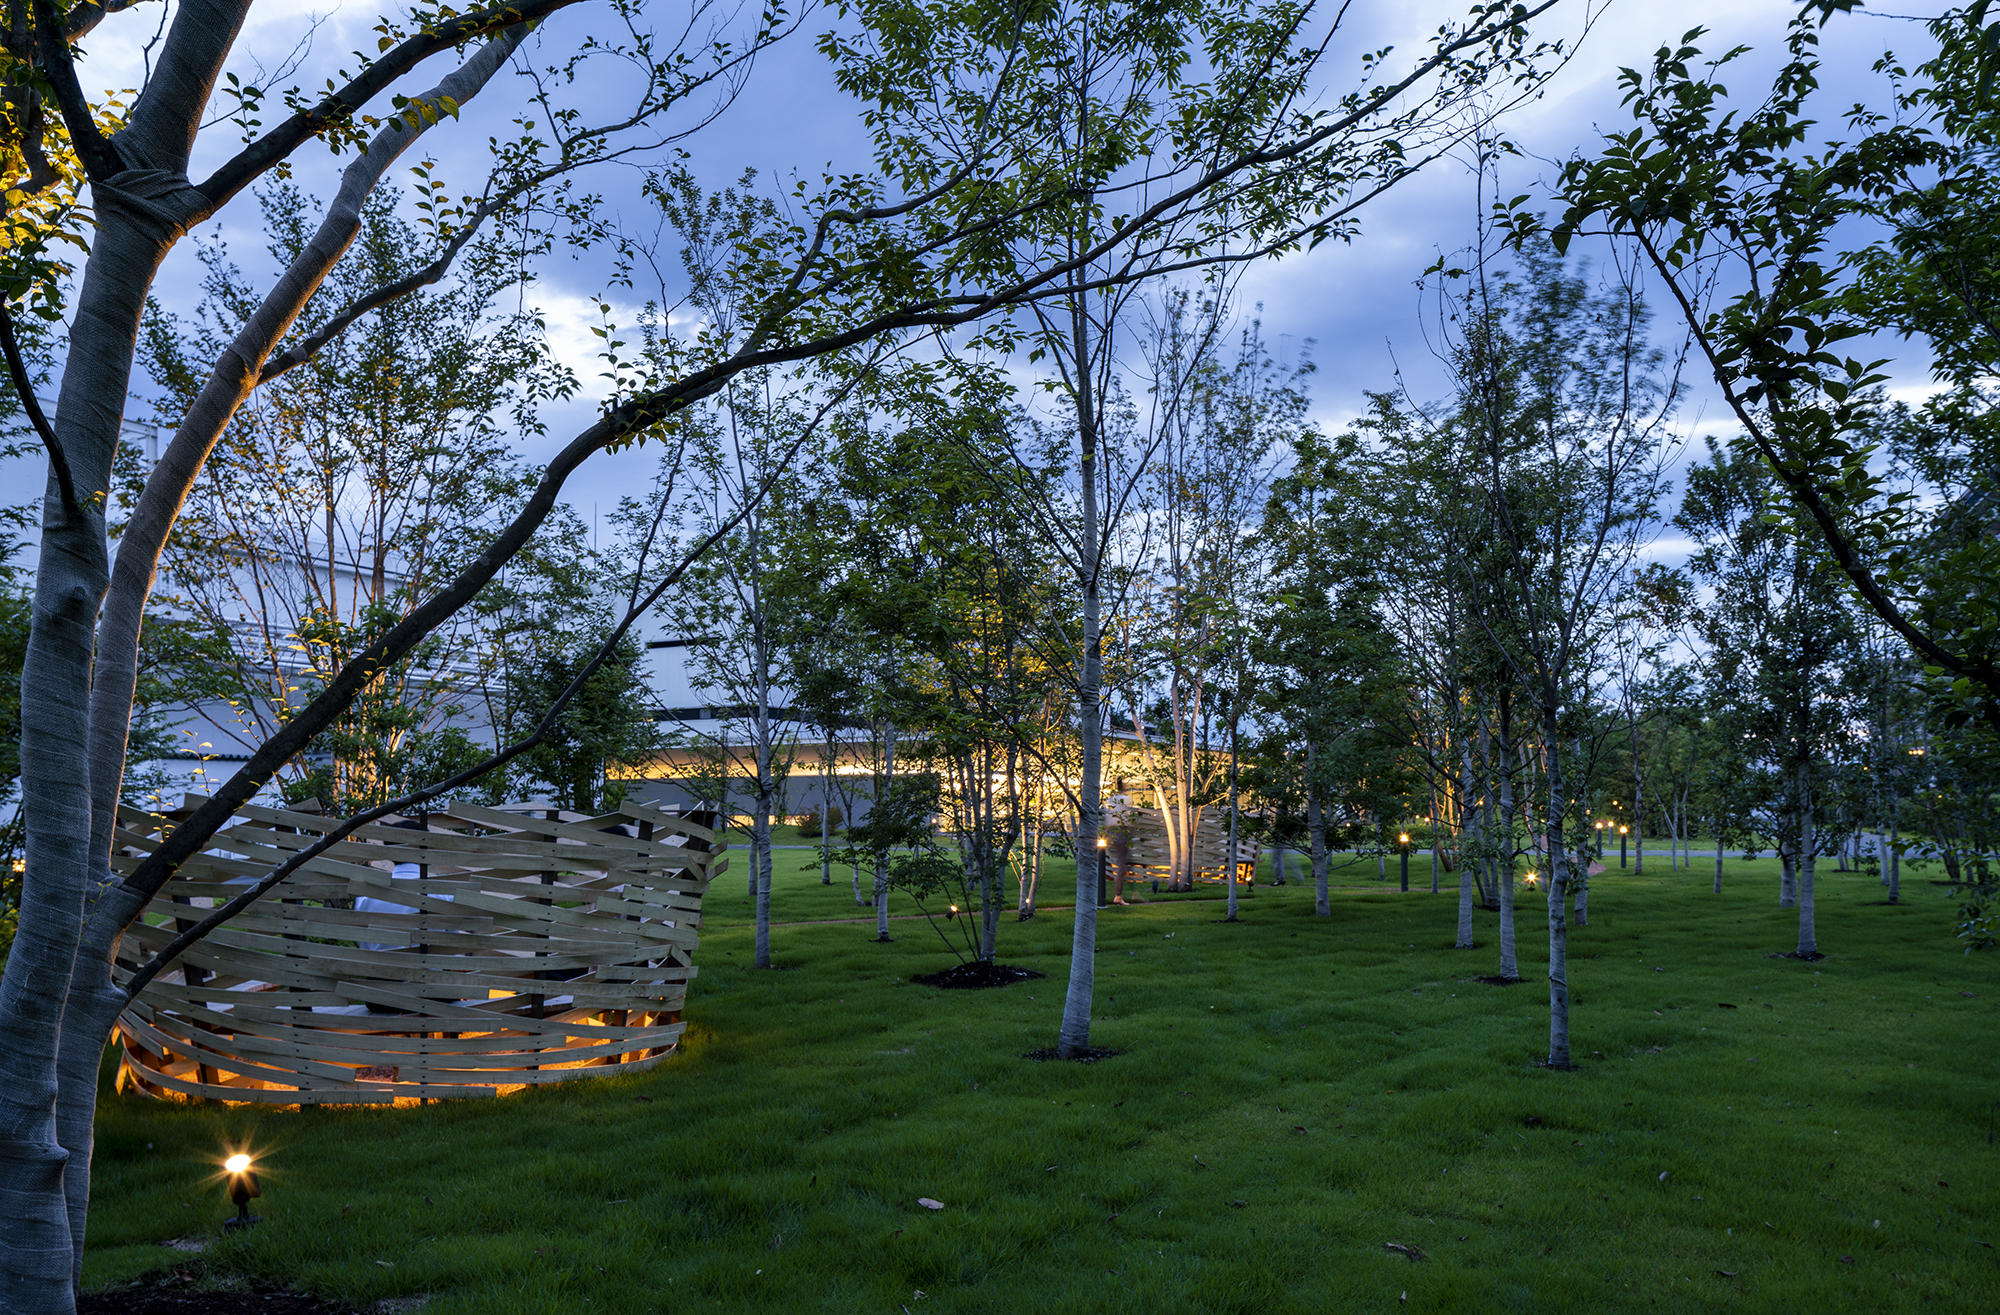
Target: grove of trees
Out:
[980,461]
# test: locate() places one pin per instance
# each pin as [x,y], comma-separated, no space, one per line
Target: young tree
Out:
[607,724]
[341,494]
[1331,675]
[1563,407]
[1217,421]
[1777,625]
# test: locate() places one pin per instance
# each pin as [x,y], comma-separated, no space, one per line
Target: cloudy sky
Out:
[1358,304]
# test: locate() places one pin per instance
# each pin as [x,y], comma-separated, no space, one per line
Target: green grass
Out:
[1294,1093]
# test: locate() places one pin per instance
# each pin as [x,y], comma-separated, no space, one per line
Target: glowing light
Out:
[237,1163]
[1404,837]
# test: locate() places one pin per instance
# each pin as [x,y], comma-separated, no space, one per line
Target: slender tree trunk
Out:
[760,834]
[1893,861]
[1638,825]
[760,863]
[1718,862]
[1229,857]
[882,854]
[826,815]
[1509,964]
[1434,834]
[1465,868]
[1579,879]
[1558,877]
[1073,1040]
[1316,833]
[1787,874]
[1808,935]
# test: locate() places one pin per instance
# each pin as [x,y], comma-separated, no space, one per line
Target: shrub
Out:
[809,822]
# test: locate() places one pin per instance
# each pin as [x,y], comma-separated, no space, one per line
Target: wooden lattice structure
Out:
[1139,846]
[469,952]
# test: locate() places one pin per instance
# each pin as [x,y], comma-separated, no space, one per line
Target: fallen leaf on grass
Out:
[1725,1273]
[1407,1252]
[928,1204]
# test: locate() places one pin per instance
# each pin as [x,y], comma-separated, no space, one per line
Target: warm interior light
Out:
[237,1163]
[1102,842]
[1404,837]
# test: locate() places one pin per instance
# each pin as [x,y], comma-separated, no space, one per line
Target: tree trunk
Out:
[1787,879]
[1718,863]
[1808,935]
[1893,860]
[1638,813]
[1465,868]
[1073,1040]
[881,853]
[60,864]
[760,864]
[1229,855]
[1558,933]
[760,833]
[1509,964]
[826,819]
[1316,833]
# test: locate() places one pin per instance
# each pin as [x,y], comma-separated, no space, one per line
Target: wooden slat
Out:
[540,949]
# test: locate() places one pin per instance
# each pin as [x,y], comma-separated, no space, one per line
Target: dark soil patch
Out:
[977,976]
[1497,980]
[1090,1056]
[180,1292]
[1814,957]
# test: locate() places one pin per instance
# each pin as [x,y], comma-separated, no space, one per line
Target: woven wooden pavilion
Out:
[468,952]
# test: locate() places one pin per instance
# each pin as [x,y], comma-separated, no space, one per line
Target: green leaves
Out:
[1746,201]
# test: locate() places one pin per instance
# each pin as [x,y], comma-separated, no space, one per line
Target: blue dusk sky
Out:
[1358,304]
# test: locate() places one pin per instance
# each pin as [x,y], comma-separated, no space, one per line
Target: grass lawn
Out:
[1742,1132]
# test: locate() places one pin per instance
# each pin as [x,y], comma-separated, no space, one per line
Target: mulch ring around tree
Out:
[1090,1056]
[1497,980]
[977,975]
[181,1292]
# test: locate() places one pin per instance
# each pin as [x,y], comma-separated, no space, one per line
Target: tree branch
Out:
[275,145]
[1801,486]
[181,943]
[17,370]
[100,159]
